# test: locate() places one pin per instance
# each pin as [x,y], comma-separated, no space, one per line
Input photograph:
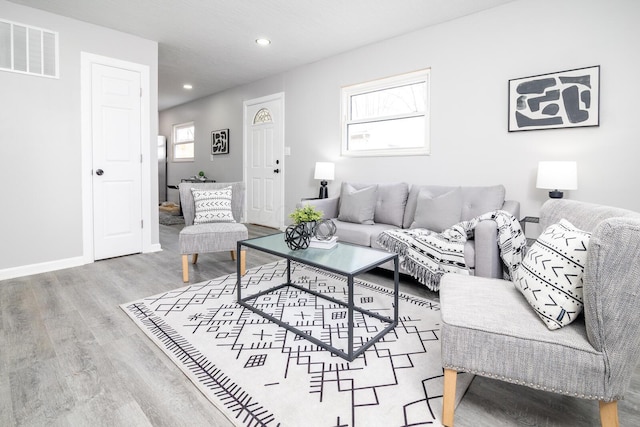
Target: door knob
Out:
[99,172]
[276,171]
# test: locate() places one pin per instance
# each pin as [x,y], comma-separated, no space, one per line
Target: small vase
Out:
[311,227]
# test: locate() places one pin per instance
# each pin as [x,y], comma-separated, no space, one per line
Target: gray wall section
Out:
[40,142]
[471,61]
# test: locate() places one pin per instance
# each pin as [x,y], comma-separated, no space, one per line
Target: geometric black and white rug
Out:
[258,373]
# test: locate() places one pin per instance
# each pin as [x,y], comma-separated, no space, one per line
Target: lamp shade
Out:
[324,171]
[557,175]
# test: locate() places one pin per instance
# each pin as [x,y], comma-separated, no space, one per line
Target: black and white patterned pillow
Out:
[212,205]
[550,276]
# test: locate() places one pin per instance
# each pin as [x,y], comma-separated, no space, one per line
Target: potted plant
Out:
[307,213]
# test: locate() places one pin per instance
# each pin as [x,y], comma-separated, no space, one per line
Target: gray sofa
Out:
[361,217]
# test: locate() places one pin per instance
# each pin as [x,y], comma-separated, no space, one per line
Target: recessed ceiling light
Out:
[263,42]
[187,86]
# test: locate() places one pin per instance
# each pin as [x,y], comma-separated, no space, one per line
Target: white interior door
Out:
[116,141]
[264,160]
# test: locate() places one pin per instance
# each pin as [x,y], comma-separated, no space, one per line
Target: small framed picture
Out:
[220,141]
[556,100]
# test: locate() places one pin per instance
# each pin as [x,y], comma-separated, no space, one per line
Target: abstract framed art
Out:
[563,99]
[220,141]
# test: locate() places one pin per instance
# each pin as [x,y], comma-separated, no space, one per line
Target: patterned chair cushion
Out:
[212,205]
[550,276]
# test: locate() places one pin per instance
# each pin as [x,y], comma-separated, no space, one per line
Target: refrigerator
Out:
[162,169]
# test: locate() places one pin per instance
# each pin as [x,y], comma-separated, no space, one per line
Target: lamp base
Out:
[555,194]
[324,192]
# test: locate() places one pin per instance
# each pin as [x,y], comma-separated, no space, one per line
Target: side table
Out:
[523,224]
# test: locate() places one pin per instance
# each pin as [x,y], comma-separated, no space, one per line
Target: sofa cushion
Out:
[438,213]
[392,200]
[550,276]
[357,205]
[479,200]
[475,200]
[349,232]
[212,205]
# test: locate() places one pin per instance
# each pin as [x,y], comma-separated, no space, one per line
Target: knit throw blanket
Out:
[427,255]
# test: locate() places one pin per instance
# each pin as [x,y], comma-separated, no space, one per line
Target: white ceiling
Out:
[211,43]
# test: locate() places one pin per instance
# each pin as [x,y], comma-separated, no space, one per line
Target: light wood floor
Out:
[69,356]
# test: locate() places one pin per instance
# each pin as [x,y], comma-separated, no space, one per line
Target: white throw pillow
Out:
[213,205]
[550,276]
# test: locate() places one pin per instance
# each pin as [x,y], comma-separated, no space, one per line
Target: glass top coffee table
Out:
[343,259]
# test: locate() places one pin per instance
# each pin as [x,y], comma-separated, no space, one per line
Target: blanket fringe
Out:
[393,245]
[425,276]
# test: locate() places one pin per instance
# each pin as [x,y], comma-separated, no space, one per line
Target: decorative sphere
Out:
[297,237]
[325,229]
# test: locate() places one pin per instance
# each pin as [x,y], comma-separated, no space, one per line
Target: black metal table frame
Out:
[351,354]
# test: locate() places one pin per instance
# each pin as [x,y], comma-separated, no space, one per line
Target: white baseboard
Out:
[153,248]
[27,270]
[45,267]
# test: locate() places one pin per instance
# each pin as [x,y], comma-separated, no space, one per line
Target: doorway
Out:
[264,166]
[115,157]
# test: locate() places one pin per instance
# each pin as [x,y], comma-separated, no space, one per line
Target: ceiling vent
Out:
[28,50]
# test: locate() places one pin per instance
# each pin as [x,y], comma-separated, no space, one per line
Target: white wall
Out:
[471,59]
[40,145]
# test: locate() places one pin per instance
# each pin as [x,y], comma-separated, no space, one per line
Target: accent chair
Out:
[490,329]
[215,232]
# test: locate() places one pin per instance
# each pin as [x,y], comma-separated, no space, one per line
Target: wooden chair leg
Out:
[185,268]
[194,258]
[243,262]
[609,414]
[449,397]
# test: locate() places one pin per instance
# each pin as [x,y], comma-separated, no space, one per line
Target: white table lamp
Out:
[325,171]
[556,176]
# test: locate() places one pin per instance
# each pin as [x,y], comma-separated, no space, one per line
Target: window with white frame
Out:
[183,145]
[387,117]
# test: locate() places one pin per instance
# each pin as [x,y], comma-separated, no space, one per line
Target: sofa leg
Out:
[609,414]
[185,268]
[194,258]
[449,397]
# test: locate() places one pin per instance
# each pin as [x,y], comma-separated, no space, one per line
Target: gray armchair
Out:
[489,329]
[214,236]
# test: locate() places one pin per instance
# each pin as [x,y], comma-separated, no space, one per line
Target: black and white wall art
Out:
[220,141]
[556,100]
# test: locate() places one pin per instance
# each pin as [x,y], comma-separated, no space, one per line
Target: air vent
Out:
[29,50]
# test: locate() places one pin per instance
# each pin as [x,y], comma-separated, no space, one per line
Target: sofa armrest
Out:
[329,206]
[488,262]
[612,296]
